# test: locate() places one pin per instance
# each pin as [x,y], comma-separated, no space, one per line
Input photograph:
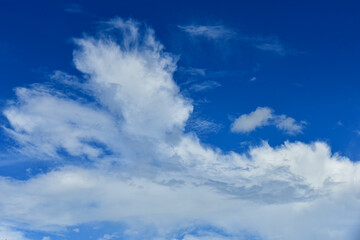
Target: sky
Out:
[191,120]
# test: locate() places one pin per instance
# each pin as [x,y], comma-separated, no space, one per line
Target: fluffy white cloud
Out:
[45,121]
[129,122]
[264,116]
[7,233]
[133,79]
[210,32]
[288,124]
[294,185]
[249,122]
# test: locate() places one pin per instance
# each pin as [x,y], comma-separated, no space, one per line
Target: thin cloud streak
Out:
[221,32]
[204,86]
[211,32]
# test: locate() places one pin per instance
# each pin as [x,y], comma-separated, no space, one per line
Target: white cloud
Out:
[45,121]
[7,233]
[272,47]
[264,43]
[202,126]
[194,71]
[204,86]
[133,79]
[264,116]
[145,167]
[292,185]
[207,236]
[270,44]
[210,32]
[249,122]
[108,237]
[288,124]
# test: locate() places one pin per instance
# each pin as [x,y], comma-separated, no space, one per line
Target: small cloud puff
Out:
[264,116]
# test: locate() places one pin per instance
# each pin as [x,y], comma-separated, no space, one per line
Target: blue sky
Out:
[191,120]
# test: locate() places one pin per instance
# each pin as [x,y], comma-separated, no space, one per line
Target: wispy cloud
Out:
[202,126]
[339,123]
[194,71]
[74,8]
[109,236]
[204,86]
[270,44]
[277,48]
[272,47]
[264,116]
[209,31]
[216,32]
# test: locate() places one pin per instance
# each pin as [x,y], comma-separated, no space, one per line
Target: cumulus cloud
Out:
[293,185]
[44,121]
[263,116]
[134,80]
[249,122]
[129,118]
[288,124]
[210,32]
[7,233]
